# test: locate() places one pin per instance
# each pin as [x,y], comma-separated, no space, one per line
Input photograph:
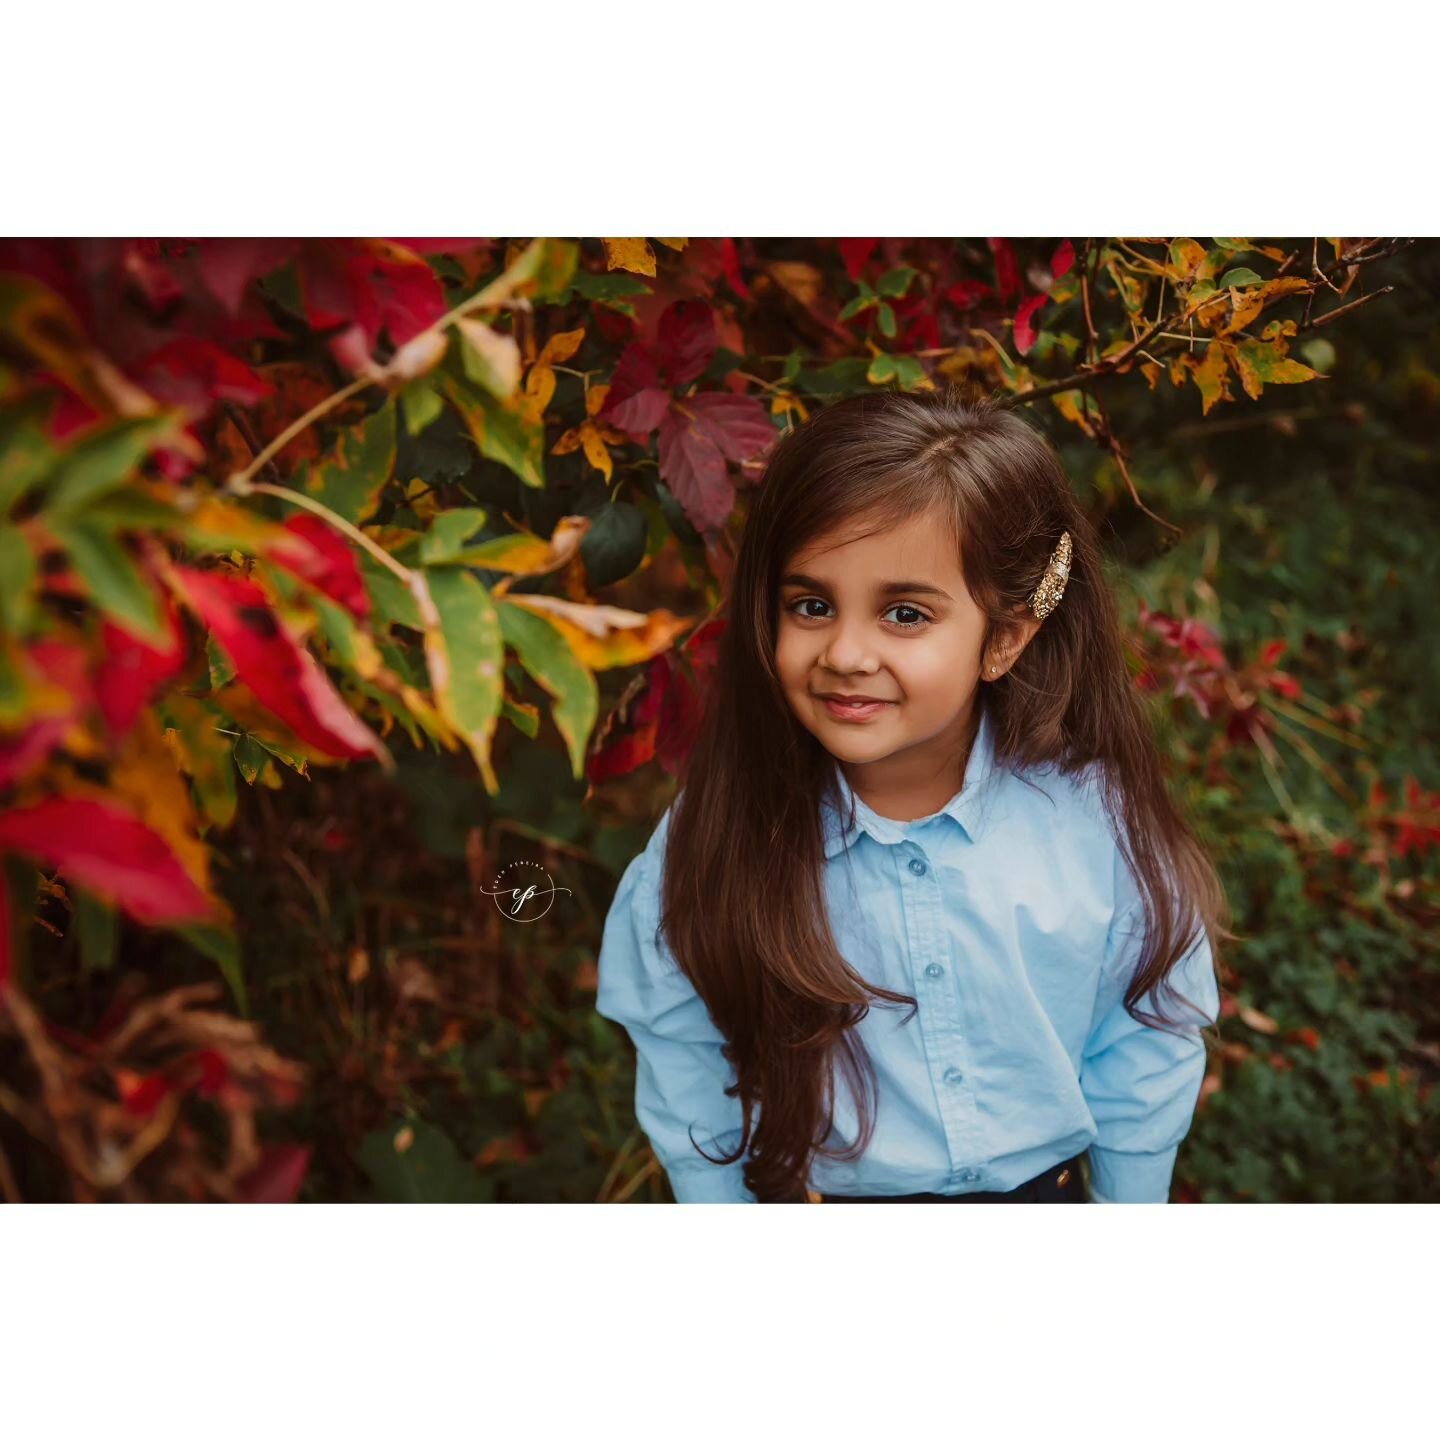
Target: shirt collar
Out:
[965,808]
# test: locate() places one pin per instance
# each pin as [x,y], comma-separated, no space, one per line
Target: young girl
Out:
[923,839]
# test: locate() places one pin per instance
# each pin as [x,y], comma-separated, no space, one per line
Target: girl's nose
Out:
[849,651]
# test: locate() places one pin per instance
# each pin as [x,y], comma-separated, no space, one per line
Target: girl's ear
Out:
[1009,644]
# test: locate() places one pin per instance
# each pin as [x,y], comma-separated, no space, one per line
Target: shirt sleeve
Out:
[680,1073]
[1142,1084]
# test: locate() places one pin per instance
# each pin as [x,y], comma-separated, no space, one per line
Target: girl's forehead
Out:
[919,543]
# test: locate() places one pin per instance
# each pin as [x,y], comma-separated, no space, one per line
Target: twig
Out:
[1325,319]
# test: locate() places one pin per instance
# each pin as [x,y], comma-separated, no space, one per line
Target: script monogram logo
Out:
[524,892]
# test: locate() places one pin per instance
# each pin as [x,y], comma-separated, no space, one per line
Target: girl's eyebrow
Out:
[885,587]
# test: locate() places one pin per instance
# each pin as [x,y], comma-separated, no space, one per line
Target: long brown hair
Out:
[749,803]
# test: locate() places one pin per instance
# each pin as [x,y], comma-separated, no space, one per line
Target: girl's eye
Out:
[919,621]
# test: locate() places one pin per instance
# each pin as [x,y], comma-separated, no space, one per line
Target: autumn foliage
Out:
[220,563]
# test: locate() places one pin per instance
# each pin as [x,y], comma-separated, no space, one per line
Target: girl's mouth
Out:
[843,710]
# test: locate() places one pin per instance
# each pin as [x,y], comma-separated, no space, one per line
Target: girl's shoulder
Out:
[1063,817]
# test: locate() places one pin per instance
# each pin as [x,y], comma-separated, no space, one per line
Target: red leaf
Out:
[322,558]
[683,702]
[1062,259]
[1273,651]
[855,254]
[284,676]
[140,1094]
[107,850]
[1024,330]
[192,374]
[738,424]
[1007,268]
[686,341]
[374,284]
[277,1177]
[65,666]
[730,259]
[693,466]
[966,294]
[131,671]
[227,266]
[635,401]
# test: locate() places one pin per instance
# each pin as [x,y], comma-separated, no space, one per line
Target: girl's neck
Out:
[918,781]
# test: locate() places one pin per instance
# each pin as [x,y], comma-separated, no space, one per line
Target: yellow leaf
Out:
[528,554]
[1210,377]
[561,347]
[796,278]
[604,637]
[673,244]
[146,776]
[595,451]
[1249,303]
[634,255]
[1258,1020]
[1068,403]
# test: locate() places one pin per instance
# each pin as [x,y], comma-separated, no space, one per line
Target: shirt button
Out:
[917,867]
[953,1076]
[934,971]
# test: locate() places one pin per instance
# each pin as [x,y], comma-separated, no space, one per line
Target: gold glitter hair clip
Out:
[1052,583]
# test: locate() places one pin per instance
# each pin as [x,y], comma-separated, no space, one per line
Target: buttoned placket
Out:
[940,1018]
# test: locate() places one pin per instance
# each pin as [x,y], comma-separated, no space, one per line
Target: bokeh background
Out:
[338,576]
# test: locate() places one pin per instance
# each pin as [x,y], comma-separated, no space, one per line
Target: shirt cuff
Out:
[1118,1177]
[707,1184]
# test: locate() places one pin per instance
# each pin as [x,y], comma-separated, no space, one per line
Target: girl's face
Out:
[887,617]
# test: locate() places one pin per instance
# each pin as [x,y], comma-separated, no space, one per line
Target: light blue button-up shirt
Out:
[1012,918]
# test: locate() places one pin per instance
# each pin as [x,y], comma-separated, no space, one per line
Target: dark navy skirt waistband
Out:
[1061,1184]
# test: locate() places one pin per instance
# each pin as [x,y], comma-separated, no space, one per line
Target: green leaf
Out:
[554,666]
[793,362]
[250,758]
[448,533]
[115,585]
[223,947]
[103,460]
[349,479]
[882,370]
[611,290]
[547,265]
[614,545]
[222,672]
[422,406]
[859,303]
[908,371]
[475,655]
[26,457]
[523,720]
[1320,353]
[499,432]
[427,1170]
[840,377]
[888,326]
[894,283]
[1239,276]
[96,930]
[394,603]
[17,581]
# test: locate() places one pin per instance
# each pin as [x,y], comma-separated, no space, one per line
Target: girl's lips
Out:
[842,711]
